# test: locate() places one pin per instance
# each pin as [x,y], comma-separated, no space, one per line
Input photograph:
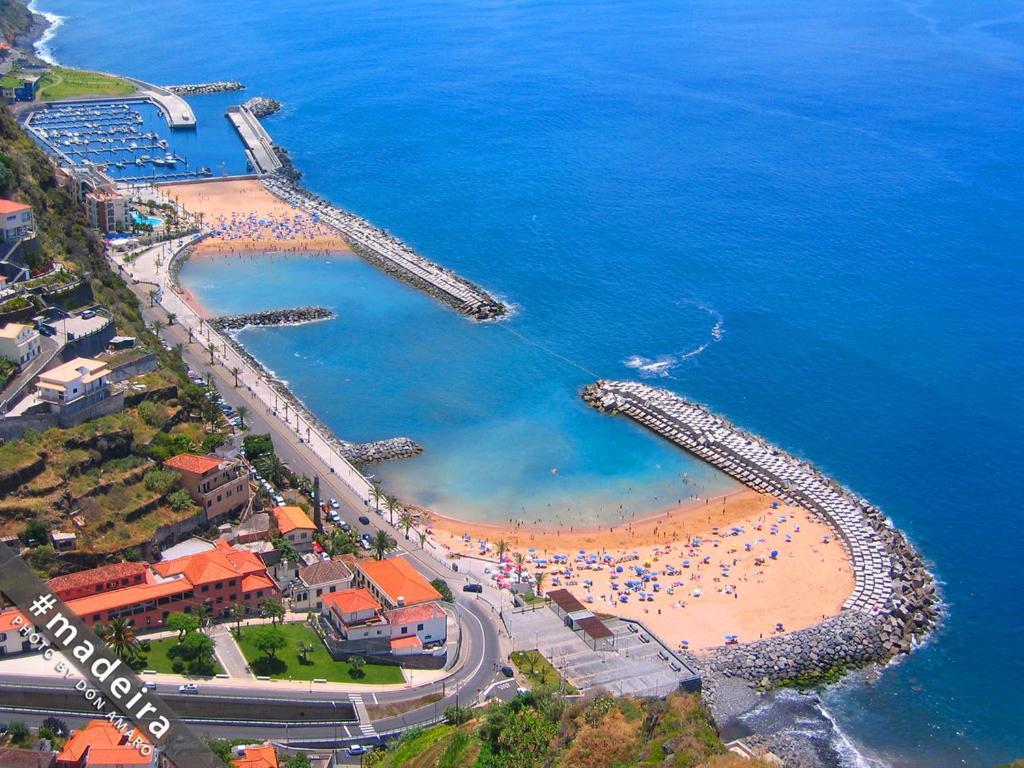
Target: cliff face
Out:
[15,20]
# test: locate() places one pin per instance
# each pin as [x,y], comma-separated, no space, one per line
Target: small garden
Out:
[539,671]
[294,651]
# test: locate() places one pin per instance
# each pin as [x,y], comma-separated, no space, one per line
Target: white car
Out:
[520,691]
[188,688]
[334,503]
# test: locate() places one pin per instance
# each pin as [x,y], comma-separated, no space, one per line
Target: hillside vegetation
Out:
[65,83]
[15,19]
[542,730]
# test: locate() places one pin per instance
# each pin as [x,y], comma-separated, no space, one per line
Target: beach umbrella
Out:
[774,554]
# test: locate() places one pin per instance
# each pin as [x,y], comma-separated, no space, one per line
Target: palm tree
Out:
[203,614]
[382,544]
[377,494]
[212,350]
[234,372]
[238,613]
[153,292]
[272,468]
[242,412]
[155,327]
[520,560]
[120,636]
[406,520]
[539,578]
[501,549]
[304,650]
[423,538]
[171,317]
[392,505]
[190,334]
[178,349]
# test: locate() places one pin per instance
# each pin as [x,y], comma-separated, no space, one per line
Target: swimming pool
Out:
[153,221]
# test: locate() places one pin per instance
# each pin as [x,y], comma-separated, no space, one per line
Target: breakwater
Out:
[259,149]
[894,601]
[261,106]
[291,316]
[198,89]
[387,252]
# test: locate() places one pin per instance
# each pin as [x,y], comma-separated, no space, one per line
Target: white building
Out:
[16,220]
[74,386]
[11,641]
[19,343]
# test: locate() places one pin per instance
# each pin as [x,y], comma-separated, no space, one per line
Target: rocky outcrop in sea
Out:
[261,106]
[198,89]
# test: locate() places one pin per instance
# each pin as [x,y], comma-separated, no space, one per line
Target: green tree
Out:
[520,561]
[268,640]
[204,615]
[234,372]
[392,505]
[272,468]
[257,445]
[298,760]
[238,613]
[197,649]
[171,317]
[305,649]
[242,412]
[286,548]
[212,350]
[182,623]
[377,494]
[446,592]
[120,636]
[355,666]
[179,500]
[272,608]
[406,520]
[501,549]
[422,536]
[35,531]
[539,578]
[382,544]
[18,732]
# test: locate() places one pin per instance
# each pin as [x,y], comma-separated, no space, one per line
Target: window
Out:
[405,630]
[319,592]
[205,588]
[419,627]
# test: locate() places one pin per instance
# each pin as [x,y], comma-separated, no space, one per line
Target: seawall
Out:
[259,148]
[395,257]
[894,601]
[291,316]
[198,89]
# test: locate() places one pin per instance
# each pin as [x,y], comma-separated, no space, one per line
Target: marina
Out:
[113,134]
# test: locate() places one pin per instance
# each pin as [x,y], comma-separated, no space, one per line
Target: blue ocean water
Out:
[823,197]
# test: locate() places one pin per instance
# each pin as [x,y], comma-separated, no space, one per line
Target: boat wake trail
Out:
[664,365]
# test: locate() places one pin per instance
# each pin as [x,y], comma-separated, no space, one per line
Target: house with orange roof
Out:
[11,641]
[219,486]
[295,525]
[16,220]
[105,578]
[396,583]
[359,623]
[255,756]
[99,744]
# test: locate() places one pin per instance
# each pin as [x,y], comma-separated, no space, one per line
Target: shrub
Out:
[161,481]
[456,715]
[179,500]
[178,666]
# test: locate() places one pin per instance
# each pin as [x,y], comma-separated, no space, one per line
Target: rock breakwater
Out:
[292,316]
[393,256]
[261,106]
[894,603]
[198,89]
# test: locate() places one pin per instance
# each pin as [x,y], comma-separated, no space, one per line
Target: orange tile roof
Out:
[352,601]
[256,581]
[414,613]
[264,756]
[292,518]
[11,206]
[120,598]
[412,641]
[221,562]
[101,743]
[190,462]
[8,620]
[396,578]
[96,576]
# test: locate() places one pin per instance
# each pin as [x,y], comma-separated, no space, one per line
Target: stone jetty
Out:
[392,255]
[198,89]
[894,603]
[261,106]
[292,316]
[380,450]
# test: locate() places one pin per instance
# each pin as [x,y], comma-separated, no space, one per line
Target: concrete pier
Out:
[393,256]
[259,148]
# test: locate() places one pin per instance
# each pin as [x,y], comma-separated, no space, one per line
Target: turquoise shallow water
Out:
[823,197]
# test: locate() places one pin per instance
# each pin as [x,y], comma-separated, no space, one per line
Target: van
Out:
[472,587]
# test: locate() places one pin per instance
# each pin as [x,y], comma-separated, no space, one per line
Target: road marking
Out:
[373,695]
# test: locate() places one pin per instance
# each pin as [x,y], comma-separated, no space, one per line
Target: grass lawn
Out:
[539,671]
[63,83]
[319,664]
[158,660]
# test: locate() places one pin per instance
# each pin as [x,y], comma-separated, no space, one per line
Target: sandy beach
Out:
[710,582]
[246,218]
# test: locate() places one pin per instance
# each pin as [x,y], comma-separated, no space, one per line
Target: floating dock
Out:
[393,256]
[259,148]
[763,467]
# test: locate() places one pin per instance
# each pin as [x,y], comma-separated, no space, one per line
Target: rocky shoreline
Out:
[895,603]
[290,316]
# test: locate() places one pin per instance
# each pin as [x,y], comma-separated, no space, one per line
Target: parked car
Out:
[334,503]
[355,750]
[472,587]
[507,671]
[520,691]
[364,520]
[188,688]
